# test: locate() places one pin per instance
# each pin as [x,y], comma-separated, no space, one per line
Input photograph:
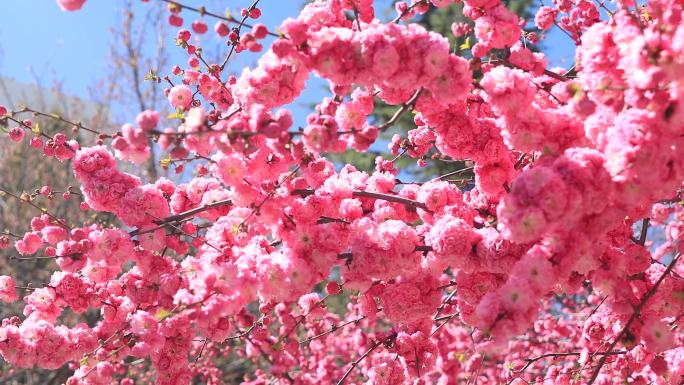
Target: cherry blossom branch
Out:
[203,11]
[194,237]
[441,307]
[41,133]
[180,216]
[268,358]
[301,319]
[530,361]
[332,329]
[451,283]
[57,221]
[157,133]
[10,234]
[596,308]
[644,232]
[270,195]
[56,117]
[239,29]
[445,317]
[404,107]
[446,321]
[111,354]
[245,333]
[15,258]
[408,10]
[447,301]
[349,256]
[602,5]
[324,219]
[634,316]
[547,72]
[567,33]
[457,172]
[387,340]
[372,195]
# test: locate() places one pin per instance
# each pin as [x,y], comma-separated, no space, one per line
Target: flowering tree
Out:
[531,273]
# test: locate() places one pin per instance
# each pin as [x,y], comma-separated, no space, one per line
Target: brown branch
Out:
[644,231]
[634,316]
[530,361]
[203,11]
[596,308]
[78,125]
[546,72]
[349,256]
[389,339]
[372,195]
[408,10]
[332,329]
[445,317]
[245,333]
[180,216]
[447,301]
[324,219]
[14,258]
[404,107]
[27,127]
[446,321]
[56,220]
[10,234]
[239,29]
[457,172]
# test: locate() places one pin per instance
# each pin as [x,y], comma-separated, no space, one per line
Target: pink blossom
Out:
[180,97]
[7,289]
[545,17]
[29,244]
[70,5]
[147,120]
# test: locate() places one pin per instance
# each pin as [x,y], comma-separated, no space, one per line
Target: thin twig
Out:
[634,316]
[356,363]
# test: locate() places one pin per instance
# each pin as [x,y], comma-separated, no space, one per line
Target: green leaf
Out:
[151,75]
[466,44]
[176,115]
[162,314]
[460,356]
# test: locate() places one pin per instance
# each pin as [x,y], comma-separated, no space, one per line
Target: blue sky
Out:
[74,45]
[38,39]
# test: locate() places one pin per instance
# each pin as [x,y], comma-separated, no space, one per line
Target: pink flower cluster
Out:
[105,188]
[529,270]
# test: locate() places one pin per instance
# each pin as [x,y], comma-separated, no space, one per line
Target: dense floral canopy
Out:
[531,273]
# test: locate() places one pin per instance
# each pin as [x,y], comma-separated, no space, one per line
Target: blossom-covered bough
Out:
[531,274]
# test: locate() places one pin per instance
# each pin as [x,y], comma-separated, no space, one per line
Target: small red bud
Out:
[333,288]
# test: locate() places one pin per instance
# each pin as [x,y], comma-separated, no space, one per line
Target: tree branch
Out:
[634,316]
[354,364]
[372,195]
